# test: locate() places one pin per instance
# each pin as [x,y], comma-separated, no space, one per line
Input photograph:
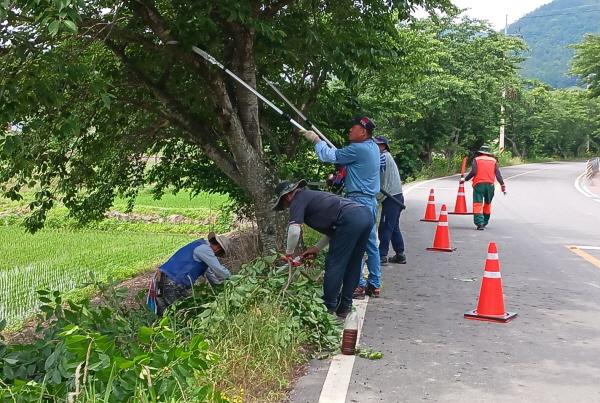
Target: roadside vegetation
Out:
[105,109]
[238,342]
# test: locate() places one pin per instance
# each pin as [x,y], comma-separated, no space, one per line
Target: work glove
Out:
[503,187]
[311,253]
[289,259]
[311,136]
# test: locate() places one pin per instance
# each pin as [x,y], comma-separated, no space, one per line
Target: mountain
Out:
[548,31]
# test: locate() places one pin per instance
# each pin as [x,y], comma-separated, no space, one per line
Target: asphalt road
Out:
[549,353]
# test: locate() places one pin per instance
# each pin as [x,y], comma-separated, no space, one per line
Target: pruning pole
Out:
[214,61]
[298,112]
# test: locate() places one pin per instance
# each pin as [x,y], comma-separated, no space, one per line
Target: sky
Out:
[495,10]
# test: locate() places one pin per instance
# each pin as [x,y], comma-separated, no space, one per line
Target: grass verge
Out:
[237,342]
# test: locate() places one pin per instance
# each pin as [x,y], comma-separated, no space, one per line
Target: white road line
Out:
[588,247]
[337,382]
[437,188]
[419,185]
[528,172]
[581,189]
[339,374]
[335,388]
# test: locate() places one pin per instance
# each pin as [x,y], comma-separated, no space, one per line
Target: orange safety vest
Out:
[486,170]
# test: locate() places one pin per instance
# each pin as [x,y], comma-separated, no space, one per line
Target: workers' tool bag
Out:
[155,289]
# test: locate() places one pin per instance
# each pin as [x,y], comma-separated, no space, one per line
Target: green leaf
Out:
[70,25]
[145,334]
[51,360]
[53,27]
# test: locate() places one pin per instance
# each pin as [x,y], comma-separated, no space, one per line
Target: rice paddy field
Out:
[61,257]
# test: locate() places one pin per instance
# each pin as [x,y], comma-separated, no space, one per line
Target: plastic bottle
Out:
[350,334]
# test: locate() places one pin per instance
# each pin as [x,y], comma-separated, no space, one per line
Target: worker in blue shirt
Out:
[361,159]
[176,277]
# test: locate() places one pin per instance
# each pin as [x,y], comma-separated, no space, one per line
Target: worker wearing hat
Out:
[389,224]
[361,160]
[345,226]
[484,172]
[177,275]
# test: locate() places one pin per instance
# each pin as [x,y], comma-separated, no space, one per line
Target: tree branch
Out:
[245,68]
[275,7]
[199,132]
[230,121]
[293,141]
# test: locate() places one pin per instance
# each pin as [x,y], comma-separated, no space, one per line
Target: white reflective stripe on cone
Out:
[491,274]
[492,256]
[461,194]
[443,224]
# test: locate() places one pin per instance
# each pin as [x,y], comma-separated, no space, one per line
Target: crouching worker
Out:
[345,226]
[175,278]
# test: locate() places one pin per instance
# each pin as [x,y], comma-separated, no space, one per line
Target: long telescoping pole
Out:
[214,61]
[298,112]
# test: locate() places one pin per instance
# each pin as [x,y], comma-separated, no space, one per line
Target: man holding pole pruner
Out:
[361,159]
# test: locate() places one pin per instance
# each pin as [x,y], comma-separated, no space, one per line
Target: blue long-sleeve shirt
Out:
[362,165]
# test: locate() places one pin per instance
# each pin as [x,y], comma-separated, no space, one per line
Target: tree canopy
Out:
[90,90]
[586,63]
[94,87]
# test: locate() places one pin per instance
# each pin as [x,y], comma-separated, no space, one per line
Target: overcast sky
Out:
[495,10]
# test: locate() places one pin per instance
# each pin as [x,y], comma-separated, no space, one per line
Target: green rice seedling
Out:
[62,260]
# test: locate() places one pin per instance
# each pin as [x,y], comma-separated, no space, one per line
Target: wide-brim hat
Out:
[222,240]
[284,188]
[485,150]
[382,140]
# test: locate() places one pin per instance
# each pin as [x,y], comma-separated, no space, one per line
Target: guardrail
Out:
[593,167]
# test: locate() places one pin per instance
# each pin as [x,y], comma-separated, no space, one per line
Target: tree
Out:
[586,63]
[451,103]
[557,123]
[92,87]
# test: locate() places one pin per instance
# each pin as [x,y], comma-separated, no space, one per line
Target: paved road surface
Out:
[550,353]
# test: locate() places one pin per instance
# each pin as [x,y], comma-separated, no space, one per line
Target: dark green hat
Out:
[284,188]
[485,150]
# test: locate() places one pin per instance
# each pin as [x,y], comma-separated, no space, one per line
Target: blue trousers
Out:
[389,226]
[373,261]
[343,263]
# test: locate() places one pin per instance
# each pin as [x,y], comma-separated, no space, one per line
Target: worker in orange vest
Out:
[484,172]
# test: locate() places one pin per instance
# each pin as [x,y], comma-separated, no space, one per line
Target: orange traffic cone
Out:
[460,207]
[490,306]
[430,211]
[441,241]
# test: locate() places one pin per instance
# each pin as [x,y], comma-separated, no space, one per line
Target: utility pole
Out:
[501,139]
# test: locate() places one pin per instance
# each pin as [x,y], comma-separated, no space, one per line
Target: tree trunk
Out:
[271,224]
[515,150]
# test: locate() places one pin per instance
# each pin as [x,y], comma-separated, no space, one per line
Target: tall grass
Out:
[258,349]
